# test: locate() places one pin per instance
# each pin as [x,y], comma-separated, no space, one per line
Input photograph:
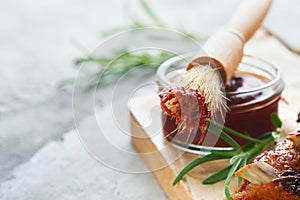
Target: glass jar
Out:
[253,94]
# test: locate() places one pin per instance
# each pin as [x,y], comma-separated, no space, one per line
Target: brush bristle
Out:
[190,110]
[209,83]
[194,99]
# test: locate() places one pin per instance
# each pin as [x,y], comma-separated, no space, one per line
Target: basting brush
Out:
[199,95]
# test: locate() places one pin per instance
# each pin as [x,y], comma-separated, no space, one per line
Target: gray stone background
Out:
[40,154]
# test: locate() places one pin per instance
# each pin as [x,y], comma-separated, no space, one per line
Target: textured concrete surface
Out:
[64,170]
[41,158]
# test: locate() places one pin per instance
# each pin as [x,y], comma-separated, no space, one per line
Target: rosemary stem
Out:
[234,167]
[259,147]
[225,137]
[238,134]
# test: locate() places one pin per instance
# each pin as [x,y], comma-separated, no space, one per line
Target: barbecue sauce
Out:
[249,112]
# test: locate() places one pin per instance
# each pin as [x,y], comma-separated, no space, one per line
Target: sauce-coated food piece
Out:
[285,158]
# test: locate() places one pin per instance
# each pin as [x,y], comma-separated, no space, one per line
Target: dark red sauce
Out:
[249,112]
[190,110]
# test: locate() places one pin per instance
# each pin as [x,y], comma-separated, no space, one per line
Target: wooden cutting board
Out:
[166,161]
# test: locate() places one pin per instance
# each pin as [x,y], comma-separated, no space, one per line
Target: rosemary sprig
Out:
[235,166]
[276,120]
[109,69]
[225,137]
[155,21]
[135,23]
[237,159]
[240,135]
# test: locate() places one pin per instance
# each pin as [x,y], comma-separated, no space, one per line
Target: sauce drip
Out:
[189,109]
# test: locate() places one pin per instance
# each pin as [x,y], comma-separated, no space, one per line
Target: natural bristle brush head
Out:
[206,78]
[194,99]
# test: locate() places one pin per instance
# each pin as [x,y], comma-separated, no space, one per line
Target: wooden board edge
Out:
[163,176]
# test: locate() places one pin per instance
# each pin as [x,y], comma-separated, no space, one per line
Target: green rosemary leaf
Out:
[243,163]
[111,68]
[250,145]
[188,35]
[65,82]
[229,140]
[258,148]
[225,137]
[238,134]
[218,176]
[196,162]
[235,158]
[227,154]
[99,60]
[113,31]
[239,180]
[151,14]
[234,167]
[276,120]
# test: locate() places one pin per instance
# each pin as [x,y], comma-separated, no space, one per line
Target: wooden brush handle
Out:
[224,49]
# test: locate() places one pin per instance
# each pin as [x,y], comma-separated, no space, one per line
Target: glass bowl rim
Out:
[277,78]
